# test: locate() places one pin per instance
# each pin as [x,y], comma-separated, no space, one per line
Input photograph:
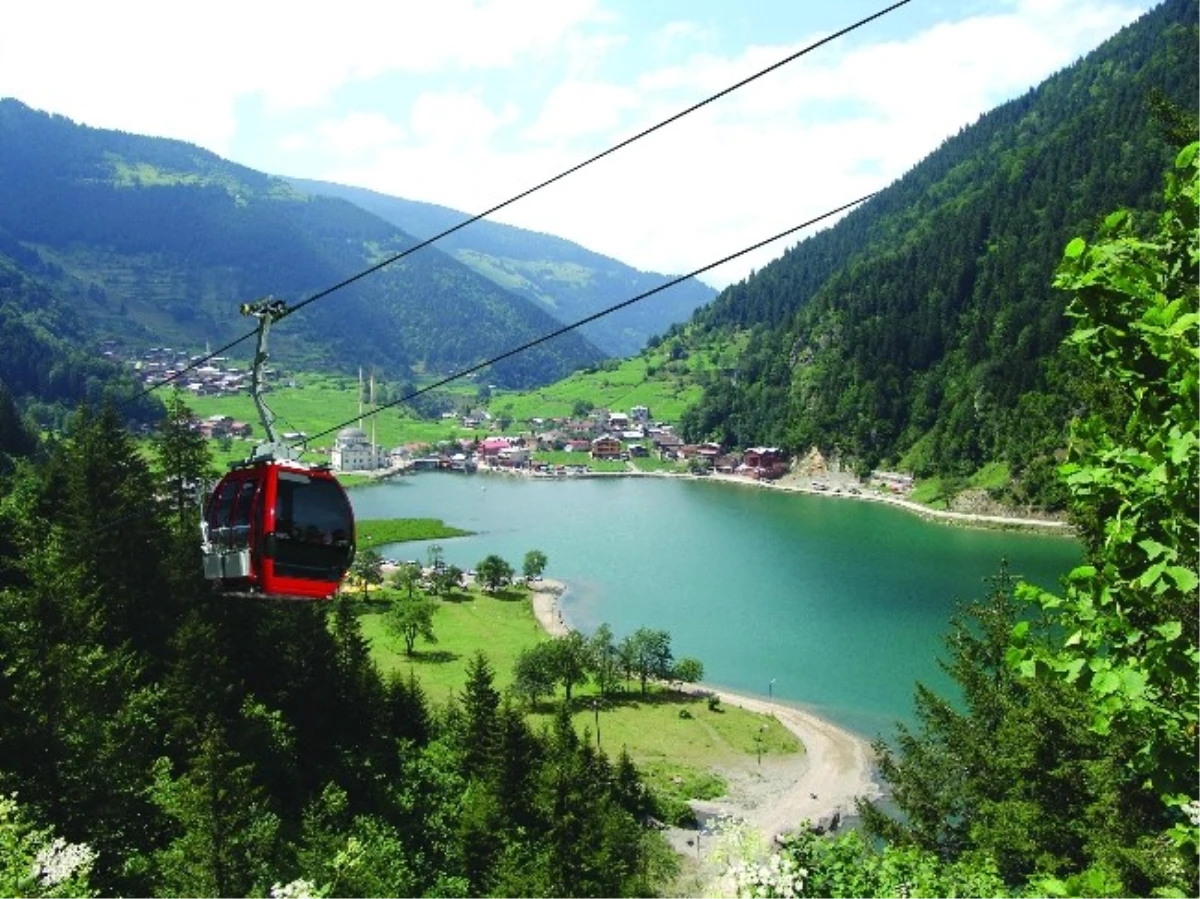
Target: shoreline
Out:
[1047,526]
[835,767]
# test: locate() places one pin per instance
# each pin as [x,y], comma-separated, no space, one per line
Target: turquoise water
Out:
[842,604]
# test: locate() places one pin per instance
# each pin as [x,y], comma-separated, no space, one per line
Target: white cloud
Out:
[179,70]
[845,120]
[801,140]
[359,132]
[578,108]
[454,119]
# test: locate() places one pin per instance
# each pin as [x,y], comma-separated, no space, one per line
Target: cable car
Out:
[278,530]
[275,527]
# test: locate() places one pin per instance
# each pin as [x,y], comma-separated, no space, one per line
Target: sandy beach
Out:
[779,794]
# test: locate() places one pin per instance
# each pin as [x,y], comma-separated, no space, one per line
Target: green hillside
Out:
[157,242]
[44,367]
[922,331]
[665,378]
[567,280]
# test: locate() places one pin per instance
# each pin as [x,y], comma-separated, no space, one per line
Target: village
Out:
[599,440]
[603,436]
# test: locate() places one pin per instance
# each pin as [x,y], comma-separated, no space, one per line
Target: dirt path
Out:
[835,768]
[545,606]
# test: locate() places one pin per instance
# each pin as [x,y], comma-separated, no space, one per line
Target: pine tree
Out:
[406,709]
[102,496]
[225,842]
[480,735]
[1012,770]
[184,462]
[16,440]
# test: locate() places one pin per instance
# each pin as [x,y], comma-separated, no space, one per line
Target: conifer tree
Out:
[185,464]
[1012,770]
[406,709]
[225,842]
[16,441]
[480,726]
[101,494]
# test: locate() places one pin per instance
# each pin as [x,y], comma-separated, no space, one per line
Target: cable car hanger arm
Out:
[267,310]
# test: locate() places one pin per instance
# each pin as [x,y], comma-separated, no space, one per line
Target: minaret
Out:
[374,451]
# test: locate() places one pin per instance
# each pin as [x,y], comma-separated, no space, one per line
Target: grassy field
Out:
[319,405]
[675,738]
[380,531]
[649,463]
[936,492]
[641,381]
[503,625]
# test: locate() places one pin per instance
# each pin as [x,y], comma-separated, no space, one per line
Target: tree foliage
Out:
[646,655]
[183,744]
[411,617]
[494,572]
[1069,766]
[367,569]
[534,564]
[1129,614]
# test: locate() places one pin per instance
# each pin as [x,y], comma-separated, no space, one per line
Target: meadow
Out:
[675,738]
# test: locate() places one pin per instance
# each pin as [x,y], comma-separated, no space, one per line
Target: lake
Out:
[835,605]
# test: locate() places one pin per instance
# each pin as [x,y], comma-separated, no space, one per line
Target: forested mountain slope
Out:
[42,366]
[567,280]
[922,330]
[157,242]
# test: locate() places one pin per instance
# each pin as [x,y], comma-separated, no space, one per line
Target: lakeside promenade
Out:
[794,484]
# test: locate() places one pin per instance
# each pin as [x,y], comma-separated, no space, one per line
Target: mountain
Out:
[567,280]
[44,366]
[156,241]
[923,331]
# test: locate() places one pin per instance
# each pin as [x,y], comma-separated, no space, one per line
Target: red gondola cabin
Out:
[278,530]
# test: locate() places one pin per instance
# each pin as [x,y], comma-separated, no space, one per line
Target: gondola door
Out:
[308,533]
[229,551]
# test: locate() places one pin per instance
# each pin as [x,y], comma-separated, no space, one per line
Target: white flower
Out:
[297,889]
[59,860]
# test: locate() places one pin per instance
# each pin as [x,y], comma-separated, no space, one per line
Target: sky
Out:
[467,103]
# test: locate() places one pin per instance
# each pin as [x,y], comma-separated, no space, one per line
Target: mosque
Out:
[353,451]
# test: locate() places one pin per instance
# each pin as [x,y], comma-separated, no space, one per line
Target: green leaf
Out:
[1051,886]
[1072,669]
[1185,579]
[1075,248]
[1106,682]
[1115,218]
[1082,573]
[1152,574]
[1153,548]
[1169,631]
[1133,682]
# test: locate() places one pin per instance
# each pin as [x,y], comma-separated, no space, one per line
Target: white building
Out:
[352,451]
